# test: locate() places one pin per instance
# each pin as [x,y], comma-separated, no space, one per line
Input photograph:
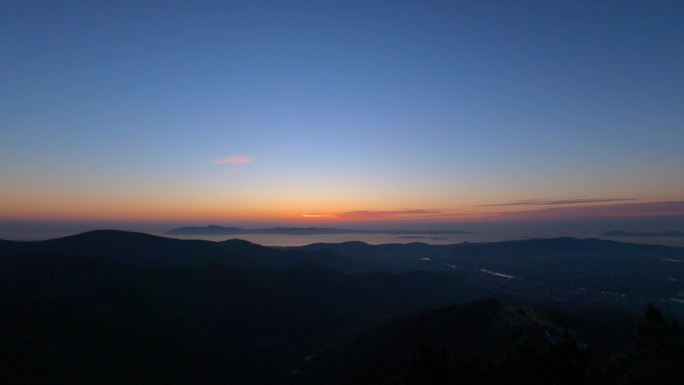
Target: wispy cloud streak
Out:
[636,210]
[553,202]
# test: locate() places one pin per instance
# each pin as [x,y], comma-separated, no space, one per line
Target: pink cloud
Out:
[381,214]
[235,159]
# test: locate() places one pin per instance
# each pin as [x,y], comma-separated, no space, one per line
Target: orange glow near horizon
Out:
[307,211]
[210,212]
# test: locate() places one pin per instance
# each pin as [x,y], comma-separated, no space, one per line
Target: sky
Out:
[358,112]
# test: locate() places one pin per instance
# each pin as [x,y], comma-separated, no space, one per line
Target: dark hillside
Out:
[476,329]
[119,307]
[81,319]
[489,343]
[145,249]
[386,257]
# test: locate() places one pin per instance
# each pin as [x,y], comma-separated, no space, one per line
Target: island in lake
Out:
[221,230]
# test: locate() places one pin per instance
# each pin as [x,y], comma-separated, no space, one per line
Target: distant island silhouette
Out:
[221,230]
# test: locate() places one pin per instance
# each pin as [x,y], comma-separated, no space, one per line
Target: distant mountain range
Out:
[627,234]
[150,250]
[221,230]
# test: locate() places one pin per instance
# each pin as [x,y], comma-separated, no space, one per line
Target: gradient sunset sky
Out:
[316,112]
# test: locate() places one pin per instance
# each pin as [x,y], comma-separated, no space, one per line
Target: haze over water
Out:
[477,232]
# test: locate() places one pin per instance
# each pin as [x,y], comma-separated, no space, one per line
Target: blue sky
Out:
[124,111]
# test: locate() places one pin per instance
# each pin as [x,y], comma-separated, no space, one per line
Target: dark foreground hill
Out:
[489,343]
[76,319]
[479,328]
